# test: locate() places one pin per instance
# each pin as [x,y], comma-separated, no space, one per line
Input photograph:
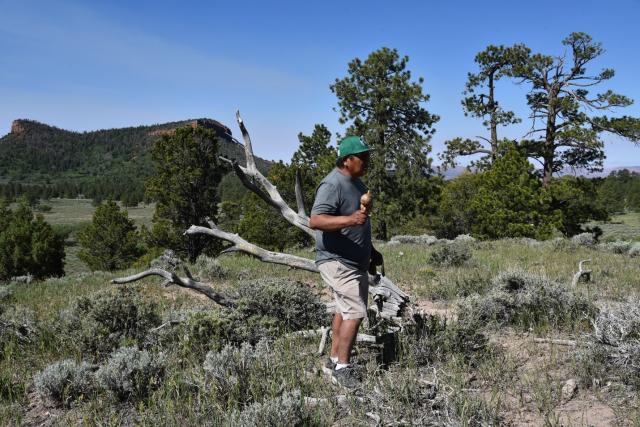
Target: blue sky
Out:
[93,65]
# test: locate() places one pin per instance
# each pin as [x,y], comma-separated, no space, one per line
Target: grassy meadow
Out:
[73,214]
[79,211]
[621,227]
[456,366]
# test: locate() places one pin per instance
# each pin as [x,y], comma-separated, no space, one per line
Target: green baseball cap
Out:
[352,145]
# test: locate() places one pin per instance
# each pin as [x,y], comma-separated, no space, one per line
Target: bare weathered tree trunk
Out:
[549,143]
[493,122]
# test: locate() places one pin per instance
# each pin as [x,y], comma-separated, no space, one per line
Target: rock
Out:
[22,279]
[17,127]
[569,390]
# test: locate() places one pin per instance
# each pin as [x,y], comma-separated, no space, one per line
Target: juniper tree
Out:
[111,241]
[315,152]
[28,245]
[381,102]
[185,186]
[455,216]
[313,160]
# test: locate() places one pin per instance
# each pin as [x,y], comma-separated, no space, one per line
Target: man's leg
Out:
[346,340]
[335,335]
[350,290]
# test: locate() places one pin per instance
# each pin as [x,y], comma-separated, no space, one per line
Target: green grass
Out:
[613,275]
[79,211]
[621,227]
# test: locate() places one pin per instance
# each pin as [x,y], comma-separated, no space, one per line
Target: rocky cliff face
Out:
[17,127]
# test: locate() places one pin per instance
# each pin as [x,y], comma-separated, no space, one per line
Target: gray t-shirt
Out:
[339,195]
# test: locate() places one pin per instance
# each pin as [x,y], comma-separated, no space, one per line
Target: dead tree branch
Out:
[390,300]
[582,274]
[241,245]
[299,197]
[184,282]
[569,343]
[265,189]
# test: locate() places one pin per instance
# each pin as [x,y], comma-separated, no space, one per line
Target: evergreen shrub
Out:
[287,410]
[28,245]
[584,239]
[434,338]
[111,241]
[237,373]
[423,239]
[290,304]
[209,269]
[613,347]
[618,247]
[17,324]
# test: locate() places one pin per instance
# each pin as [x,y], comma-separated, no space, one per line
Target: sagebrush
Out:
[527,300]
[97,323]
[65,382]
[131,373]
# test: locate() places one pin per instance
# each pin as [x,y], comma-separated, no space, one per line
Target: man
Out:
[343,250]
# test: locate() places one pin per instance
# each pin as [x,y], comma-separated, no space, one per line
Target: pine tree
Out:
[313,160]
[510,203]
[566,131]
[494,63]
[382,104]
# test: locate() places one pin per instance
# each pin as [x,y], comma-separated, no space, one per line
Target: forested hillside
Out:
[44,161]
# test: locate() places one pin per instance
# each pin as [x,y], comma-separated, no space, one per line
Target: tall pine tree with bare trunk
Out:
[481,101]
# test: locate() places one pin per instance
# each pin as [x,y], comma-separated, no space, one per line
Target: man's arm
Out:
[325,222]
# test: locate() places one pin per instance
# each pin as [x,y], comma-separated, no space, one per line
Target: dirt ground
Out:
[551,364]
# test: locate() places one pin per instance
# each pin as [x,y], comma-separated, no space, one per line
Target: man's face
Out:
[357,164]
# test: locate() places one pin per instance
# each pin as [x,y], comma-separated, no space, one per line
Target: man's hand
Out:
[358,217]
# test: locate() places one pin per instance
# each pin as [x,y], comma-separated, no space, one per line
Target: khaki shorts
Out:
[350,288]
